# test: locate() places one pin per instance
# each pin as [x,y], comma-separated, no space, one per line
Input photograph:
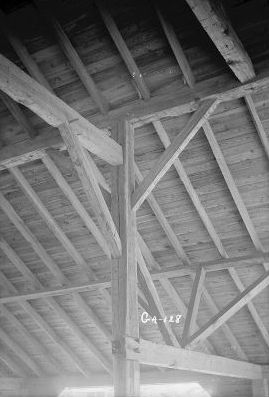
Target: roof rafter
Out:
[172,104]
[229,310]
[164,281]
[175,243]
[194,302]
[91,187]
[68,192]
[21,353]
[123,49]
[205,218]
[18,115]
[156,274]
[23,53]
[190,189]
[15,83]
[258,124]
[176,48]
[40,251]
[163,221]
[12,365]
[154,301]
[242,209]
[51,223]
[48,330]
[214,20]
[171,153]
[72,55]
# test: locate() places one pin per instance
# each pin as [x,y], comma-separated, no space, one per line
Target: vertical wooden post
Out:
[260,388]
[124,269]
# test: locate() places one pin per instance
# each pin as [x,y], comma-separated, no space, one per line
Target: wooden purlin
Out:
[169,105]
[157,274]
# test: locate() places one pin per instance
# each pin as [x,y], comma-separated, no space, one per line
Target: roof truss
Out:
[72,128]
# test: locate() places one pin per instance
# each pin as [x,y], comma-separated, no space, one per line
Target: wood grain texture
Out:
[214,20]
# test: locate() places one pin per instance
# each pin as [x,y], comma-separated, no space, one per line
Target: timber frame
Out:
[133,267]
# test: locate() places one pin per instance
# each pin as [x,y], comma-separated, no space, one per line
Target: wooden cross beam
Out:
[233,307]
[172,104]
[91,187]
[194,302]
[23,89]
[159,275]
[171,153]
[151,353]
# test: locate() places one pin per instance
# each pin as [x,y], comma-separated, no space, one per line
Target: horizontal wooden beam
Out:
[170,273]
[150,353]
[168,105]
[25,90]
[172,152]
[56,291]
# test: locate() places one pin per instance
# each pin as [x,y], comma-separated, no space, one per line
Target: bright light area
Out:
[164,390]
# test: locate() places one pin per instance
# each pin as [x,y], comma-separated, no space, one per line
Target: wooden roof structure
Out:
[134,177]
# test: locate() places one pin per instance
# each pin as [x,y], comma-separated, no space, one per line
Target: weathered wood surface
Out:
[236,134]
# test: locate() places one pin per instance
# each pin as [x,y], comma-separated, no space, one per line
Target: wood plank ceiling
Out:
[201,201]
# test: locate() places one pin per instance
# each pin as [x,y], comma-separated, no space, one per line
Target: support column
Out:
[260,388]
[126,373]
